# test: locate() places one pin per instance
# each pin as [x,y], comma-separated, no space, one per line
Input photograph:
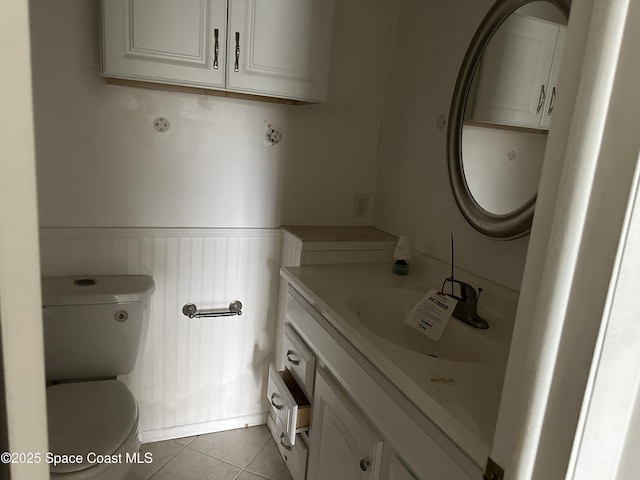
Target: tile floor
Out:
[243,454]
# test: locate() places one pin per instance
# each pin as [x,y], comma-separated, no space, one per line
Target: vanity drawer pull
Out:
[284,443]
[273,402]
[364,464]
[292,360]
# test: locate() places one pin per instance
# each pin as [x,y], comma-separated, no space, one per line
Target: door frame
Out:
[20,298]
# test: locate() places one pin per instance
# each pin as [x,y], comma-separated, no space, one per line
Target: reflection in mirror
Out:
[510,107]
[502,168]
[501,112]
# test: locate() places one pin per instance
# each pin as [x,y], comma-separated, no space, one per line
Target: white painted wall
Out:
[413,196]
[100,162]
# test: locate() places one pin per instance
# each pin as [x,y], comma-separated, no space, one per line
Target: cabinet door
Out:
[280,47]
[398,471]
[343,444]
[167,41]
[514,75]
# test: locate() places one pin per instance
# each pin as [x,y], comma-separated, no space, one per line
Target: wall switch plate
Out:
[360,204]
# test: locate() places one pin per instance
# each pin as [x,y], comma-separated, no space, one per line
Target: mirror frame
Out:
[499,227]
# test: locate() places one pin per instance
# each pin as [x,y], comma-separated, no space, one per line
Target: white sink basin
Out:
[382,311]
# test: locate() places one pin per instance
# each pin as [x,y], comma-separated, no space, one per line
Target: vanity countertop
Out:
[461,398]
[312,233]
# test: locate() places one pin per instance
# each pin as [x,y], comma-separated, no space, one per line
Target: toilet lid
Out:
[86,417]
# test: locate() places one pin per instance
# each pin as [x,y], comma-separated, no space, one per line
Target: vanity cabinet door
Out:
[343,444]
[166,41]
[280,48]
[514,78]
[398,471]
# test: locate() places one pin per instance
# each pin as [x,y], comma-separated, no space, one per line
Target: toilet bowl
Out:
[92,428]
[94,329]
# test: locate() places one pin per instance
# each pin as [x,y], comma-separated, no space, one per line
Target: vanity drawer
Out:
[299,359]
[289,405]
[294,456]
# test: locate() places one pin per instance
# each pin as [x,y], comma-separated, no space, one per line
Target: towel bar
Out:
[191,311]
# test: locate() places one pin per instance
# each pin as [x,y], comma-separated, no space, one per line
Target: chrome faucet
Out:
[467,306]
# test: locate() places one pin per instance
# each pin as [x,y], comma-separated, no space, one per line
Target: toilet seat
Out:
[83,417]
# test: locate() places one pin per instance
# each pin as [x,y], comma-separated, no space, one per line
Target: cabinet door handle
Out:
[552,101]
[236,67]
[216,48]
[541,99]
[364,464]
[293,361]
[273,402]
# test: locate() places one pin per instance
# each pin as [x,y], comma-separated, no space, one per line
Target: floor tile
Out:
[192,465]
[234,446]
[250,476]
[184,440]
[162,452]
[268,463]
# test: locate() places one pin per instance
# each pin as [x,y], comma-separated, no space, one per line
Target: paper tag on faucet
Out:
[431,314]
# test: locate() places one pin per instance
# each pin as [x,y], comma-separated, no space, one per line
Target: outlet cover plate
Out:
[360,204]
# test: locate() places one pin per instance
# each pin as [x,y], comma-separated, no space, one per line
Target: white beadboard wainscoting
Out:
[195,375]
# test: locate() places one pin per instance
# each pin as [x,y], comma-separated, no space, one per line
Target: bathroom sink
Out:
[382,311]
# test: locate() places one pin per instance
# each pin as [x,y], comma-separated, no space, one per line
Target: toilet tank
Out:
[94,326]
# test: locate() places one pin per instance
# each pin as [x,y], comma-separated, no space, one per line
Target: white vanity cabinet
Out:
[517,78]
[362,427]
[278,48]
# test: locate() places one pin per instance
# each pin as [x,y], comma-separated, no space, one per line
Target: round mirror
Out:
[500,114]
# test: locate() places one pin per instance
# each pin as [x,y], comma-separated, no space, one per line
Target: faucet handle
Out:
[468,292]
[466,308]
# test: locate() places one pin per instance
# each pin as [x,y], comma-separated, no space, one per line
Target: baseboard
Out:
[203,428]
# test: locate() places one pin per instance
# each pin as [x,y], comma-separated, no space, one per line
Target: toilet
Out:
[94,330]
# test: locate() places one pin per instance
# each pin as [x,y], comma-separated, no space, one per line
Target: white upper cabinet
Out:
[278,48]
[177,42]
[517,76]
